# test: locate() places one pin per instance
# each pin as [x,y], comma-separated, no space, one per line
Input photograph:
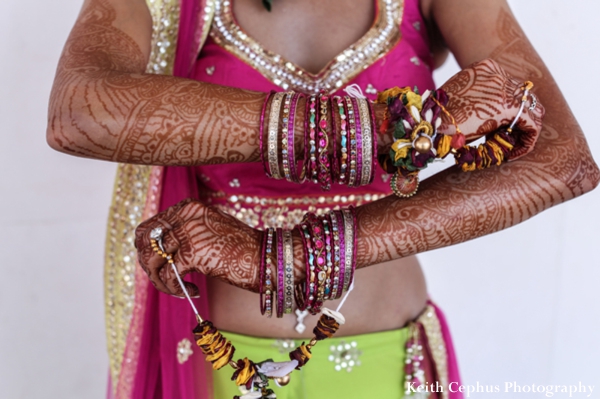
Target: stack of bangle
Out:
[330,260]
[339,139]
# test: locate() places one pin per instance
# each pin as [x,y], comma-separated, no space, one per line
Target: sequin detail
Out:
[130,204]
[345,356]
[381,38]
[283,212]
[184,350]
[435,338]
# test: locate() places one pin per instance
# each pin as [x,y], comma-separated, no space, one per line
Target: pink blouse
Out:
[394,52]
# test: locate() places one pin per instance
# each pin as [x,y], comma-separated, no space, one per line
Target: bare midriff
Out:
[385,297]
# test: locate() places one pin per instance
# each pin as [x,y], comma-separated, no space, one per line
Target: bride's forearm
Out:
[104,106]
[453,206]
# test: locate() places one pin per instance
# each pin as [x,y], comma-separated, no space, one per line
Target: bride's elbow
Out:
[580,177]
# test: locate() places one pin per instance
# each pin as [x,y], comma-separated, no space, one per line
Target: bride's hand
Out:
[484,98]
[201,239]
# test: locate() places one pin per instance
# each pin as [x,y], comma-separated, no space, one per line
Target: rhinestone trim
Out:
[381,38]
[135,196]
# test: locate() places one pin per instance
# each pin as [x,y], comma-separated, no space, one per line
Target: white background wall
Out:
[531,315]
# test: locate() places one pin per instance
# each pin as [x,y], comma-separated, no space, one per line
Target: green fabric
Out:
[379,375]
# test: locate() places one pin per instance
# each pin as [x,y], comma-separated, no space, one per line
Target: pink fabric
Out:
[168,320]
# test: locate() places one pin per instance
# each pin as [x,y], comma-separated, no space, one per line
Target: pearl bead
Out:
[283,381]
[423,145]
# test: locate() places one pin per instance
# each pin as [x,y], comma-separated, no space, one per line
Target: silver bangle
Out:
[272,154]
[367,141]
[288,255]
[349,249]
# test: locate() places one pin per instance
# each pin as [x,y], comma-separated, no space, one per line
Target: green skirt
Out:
[361,366]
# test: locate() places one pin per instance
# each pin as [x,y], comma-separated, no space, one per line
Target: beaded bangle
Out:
[284,135]
[359,142]
[318,274]
[261,133]
[295,176]
[335,272]
[367,142]
[312,118]
[289,271]
[280,273]
[374,137]
[351,144]
[304,168]
[328,257]
[324,173]
[343,141]
[272,154]
[268,308]
[304,290]
[261,273]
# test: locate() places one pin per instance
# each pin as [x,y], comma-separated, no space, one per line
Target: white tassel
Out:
[415,113]
[429,116]
[355,91]
[425,96]
[277,369]
[334,315]
[345,296]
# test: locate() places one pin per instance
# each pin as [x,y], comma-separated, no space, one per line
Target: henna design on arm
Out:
[454,207]
[104,106]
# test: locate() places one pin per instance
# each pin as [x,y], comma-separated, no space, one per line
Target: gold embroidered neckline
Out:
[379,39]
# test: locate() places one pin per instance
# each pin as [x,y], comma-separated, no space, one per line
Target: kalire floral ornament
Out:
[416,119]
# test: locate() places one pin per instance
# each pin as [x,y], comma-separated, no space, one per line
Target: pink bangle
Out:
[359,143]
[336,254]
[261,134]
[351,143]
[302,290]
[280,274]
[374,136]
[268,274]
[261,272]
[343,141]
[342,251]
[324,174]
[295,177]
[312,139]
[318,275]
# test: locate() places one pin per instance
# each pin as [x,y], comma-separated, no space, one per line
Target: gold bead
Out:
[423,145]
[283,381]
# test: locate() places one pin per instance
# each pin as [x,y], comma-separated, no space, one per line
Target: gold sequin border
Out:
[135,197]
[435,338]
[283,212]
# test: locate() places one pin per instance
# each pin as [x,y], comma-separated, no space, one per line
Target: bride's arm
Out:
[452,206]
[103,105]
